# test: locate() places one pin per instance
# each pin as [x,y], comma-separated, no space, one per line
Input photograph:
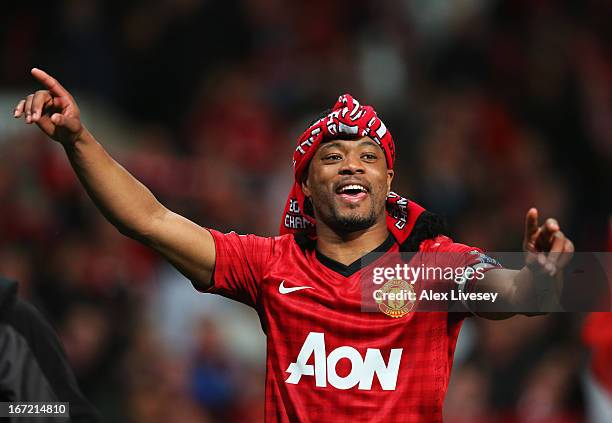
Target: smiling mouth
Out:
[352,193]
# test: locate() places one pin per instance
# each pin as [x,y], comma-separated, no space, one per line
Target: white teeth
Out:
[353,187]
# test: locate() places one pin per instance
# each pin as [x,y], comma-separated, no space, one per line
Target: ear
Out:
[390,175]
[305,188]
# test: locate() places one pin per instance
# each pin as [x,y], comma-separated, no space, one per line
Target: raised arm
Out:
[123,200]
[539,283]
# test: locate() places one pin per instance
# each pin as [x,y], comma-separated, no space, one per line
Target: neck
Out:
[347,247]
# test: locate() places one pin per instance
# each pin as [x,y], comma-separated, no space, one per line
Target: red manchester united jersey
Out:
[328,360]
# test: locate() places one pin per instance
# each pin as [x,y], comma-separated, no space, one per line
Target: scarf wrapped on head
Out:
[347,120]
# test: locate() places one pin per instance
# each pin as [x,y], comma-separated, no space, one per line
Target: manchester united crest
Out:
[396,298]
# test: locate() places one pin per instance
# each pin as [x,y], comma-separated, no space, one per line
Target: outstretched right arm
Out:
[123,200]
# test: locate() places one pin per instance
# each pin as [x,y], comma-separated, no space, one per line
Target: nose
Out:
[351,165]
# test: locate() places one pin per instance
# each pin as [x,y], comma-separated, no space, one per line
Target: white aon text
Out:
[362,369]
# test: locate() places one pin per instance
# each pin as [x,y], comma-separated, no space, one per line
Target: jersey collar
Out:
[358,264]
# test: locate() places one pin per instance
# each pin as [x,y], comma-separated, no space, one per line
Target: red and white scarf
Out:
[347,120]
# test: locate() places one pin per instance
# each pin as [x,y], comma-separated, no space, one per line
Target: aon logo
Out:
[362,369]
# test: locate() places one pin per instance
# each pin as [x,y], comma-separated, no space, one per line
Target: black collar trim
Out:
[349,270]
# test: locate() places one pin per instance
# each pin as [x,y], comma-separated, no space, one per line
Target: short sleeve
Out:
[469,265]
[239,265]
[458,255]
[473,257]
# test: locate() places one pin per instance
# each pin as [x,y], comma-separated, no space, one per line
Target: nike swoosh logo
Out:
[285,290]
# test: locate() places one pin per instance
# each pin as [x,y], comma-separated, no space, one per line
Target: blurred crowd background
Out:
[495,106]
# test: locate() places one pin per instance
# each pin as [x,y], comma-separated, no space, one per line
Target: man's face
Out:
[348,182]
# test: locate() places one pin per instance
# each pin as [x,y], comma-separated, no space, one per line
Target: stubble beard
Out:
[350,221]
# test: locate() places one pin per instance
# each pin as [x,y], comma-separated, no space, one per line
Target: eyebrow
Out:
[370,143]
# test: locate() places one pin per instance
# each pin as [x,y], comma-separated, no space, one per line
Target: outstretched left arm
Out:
[538,285]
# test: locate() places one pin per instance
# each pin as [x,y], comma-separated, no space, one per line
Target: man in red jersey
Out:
[328,359]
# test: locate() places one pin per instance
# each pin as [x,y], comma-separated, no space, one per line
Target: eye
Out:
[369,156]
[332,157]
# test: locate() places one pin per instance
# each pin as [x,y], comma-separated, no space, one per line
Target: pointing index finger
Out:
[531,222]
[49,82]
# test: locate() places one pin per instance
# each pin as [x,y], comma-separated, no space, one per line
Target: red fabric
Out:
[348,119]
[597,335]
[251,269]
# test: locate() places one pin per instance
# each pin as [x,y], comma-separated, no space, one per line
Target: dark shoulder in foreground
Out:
[33,360]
